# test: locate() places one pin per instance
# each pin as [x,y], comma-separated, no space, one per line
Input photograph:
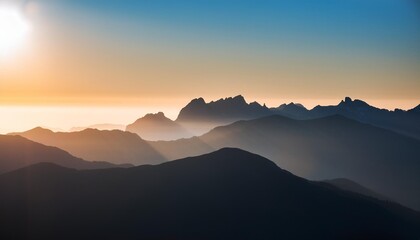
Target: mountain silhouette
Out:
[351,186]
[325,148]
[399,120]
[293,110]
[199,116]
[228,194]
[225,109]
[114,146]
[17,152]
[157,127]
[229,110]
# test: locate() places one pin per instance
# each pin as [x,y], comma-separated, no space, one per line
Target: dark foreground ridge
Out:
[227,194]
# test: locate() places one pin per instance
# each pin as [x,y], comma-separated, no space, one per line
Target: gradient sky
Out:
[140,53]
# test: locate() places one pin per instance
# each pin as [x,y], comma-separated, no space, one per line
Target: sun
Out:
[13,29]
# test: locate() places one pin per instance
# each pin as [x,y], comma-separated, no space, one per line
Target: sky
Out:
[153,55]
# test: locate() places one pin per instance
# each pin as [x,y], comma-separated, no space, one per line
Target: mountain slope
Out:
[415,110]
[17,152]
[327,148]
[228,194]
[94,145]
[157,127]
[348,185]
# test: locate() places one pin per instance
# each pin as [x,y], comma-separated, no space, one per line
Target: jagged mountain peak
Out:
[154,116]
[239,99]
[197,101]
[348,102]
[224,110]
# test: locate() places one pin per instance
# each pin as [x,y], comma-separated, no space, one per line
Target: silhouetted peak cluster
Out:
[349,103]
[239,99]
[223,110]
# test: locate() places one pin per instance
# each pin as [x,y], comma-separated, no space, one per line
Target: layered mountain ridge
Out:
[114,146]
[229,110]
[325,148]
[17,152]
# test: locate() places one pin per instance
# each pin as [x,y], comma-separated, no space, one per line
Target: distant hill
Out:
[158,127]
[102,126]
[114,146]
[399,121]
[228,194]
[326,148]
[17,152]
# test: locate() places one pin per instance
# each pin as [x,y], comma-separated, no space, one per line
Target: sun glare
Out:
[13,29]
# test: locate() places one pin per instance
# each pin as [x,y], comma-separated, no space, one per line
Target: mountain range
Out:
[229,110]
[228,194]
[317,149]
[196,118]
[325,148]
[199,117]
[17,152]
